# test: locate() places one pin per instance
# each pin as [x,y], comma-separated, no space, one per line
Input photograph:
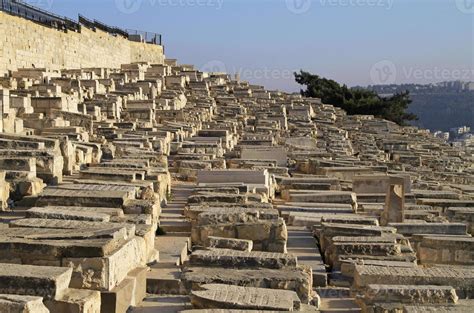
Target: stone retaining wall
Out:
[26,44]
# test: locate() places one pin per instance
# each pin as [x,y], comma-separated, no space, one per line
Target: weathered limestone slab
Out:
[61,197]
[462,306]
[112,174]
[348,264]
[216,197]
[227,216]
[49,165]
[229,243]
[241,259]
[265,153]
[446,203]
[193,211]
[22,304]
[460,278]
[96,229]
[234,176]
[76,300]
[394,202]
[221,296]
[311,219]
[330,230]
[267,235]
[295,279]
[408,294]
[446,250]
[67,214]
[130,292]
[325,197]
[4,192]
[430,228]
[377,183]
[107,272]
[43,281]
[105,187]
[317,208]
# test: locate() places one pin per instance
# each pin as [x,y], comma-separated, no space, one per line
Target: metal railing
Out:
[24,10]
[95,24]
[148,37]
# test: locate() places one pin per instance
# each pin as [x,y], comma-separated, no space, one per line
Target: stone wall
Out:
[28,44]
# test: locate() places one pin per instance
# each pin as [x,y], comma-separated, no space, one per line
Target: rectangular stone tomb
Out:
[43,281]
[460,278]
[295,279]
[410,294]
[67,214]
[61,197]
[241,259]
[430,228]
[446,250]
[86,229]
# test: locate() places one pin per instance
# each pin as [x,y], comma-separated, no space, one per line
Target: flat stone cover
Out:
[235,297]
[233,258]
[44,281]
[295,279]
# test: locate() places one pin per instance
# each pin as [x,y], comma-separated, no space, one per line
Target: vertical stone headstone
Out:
[394,201]
[4,105]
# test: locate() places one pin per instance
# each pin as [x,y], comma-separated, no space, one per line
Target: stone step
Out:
[336,278]
[163,304]
[302,244]
[172,211]
[342,305]
[333,292]
[175,225]
[164,279]
[173,248]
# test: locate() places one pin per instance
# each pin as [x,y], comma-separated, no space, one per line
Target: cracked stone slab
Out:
[222,296]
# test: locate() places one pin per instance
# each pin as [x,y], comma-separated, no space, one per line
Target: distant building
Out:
[442,135]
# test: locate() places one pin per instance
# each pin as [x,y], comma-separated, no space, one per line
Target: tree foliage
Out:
[356,100]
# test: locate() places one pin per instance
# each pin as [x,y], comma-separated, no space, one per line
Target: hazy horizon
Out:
[356,42]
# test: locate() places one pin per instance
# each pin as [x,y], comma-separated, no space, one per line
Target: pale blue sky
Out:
[357,42]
